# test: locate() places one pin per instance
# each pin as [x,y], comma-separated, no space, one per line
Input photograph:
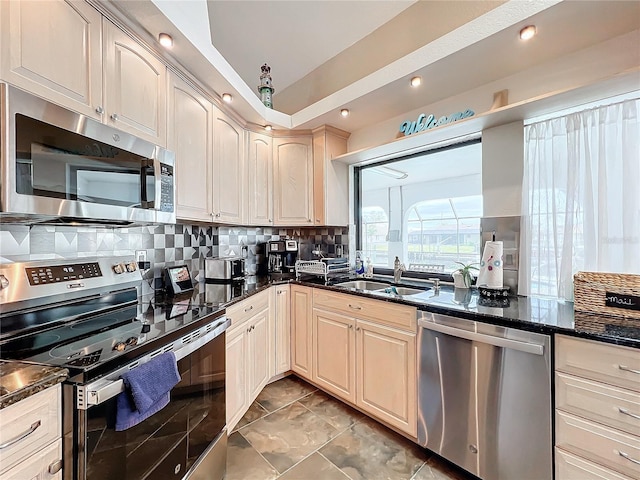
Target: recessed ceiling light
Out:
[268,128]
[344,112]
[227,97]
[527,32]
[416,81]
[165,40]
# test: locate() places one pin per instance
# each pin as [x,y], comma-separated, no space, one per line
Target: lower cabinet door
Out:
[43,465]
[386,375]
[334,353]
[259,352]
[236,366]
[301,313]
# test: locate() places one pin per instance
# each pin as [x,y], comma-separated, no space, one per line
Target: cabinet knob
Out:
[357,329]
[99,110]
[55,467]
[317,220]
[114,117]
[309,220]
[350,327]
[270,221]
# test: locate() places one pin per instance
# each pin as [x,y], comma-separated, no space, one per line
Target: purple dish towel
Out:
[146,390]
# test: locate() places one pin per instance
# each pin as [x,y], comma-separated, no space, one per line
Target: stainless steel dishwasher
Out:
[484,397]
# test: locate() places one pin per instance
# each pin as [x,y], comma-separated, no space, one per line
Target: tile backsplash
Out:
[165,244]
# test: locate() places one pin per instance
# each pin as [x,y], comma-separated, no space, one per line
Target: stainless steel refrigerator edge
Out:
[484,397]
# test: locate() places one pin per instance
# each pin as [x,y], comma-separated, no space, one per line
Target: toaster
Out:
[224,269]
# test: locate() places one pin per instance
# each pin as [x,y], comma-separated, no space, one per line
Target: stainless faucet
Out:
[436,285]
[398,268]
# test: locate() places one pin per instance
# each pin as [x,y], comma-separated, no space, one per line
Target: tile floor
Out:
[295,432]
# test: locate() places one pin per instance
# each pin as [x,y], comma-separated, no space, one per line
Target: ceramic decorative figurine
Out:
[266,88]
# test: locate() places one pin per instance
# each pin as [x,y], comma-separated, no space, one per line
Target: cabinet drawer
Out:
[39,466]
[611,406]
[600,444]
[36,419]
[570,467]
[610,364]
[243,311]
[379,311]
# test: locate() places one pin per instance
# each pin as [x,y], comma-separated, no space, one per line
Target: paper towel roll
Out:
[491,268]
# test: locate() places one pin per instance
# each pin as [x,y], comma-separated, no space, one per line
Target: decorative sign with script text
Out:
[425,122]
[620,300]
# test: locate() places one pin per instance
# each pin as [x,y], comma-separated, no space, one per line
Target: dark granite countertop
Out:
[542,315]
[19,380]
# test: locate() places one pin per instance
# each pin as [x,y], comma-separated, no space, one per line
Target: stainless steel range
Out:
[85,315]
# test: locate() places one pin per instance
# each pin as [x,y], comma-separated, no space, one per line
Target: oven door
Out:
[184,438]
[62,164]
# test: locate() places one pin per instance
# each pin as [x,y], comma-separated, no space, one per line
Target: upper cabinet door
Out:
[293,178]
[260,173]
[52,49]
[190,136]
[228,170]
[135,87]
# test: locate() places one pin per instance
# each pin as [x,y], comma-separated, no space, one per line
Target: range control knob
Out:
[132,341]
[119,268]
[132,266]
[4,282]
[120,346]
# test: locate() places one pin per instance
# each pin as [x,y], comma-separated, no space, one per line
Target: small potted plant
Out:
[462,277]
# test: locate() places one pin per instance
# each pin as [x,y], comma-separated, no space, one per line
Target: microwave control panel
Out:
[166,188]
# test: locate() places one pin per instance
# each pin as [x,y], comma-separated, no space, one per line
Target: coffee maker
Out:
[282,256]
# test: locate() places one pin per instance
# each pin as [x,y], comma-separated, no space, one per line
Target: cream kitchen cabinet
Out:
[53,49]
[248,351]
[228,170]
[281,330]
[364,351]
[293,180]
[135,85]
[31,435]
[330,178]
[597,405]
[260,179]
[190,137]
[334,353]
[301,330]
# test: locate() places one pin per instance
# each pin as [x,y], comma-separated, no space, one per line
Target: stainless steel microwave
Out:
[62,167]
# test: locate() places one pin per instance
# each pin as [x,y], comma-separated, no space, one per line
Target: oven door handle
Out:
[102,390]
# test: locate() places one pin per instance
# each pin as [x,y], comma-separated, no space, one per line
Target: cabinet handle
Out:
[114,117]
[309,220]
[248,309]
[55,467]
[99,110]
[355,307]
[624,411]
[357,329]
[280,292]
[350,326]
[33,428]
[627,369]
[626,455]
[270,221]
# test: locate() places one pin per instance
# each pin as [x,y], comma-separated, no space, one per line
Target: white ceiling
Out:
[328,55]
[293,37]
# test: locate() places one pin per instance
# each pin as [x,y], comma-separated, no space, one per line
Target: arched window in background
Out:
[375,231]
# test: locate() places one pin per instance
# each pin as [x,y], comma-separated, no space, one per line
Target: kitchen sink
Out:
[363,285]
[402,291]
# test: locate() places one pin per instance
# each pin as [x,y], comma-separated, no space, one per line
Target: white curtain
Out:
[580,198]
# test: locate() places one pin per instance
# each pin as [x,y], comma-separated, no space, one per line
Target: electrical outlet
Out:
[141,256]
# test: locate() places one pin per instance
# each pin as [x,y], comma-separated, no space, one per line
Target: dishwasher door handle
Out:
[526,347]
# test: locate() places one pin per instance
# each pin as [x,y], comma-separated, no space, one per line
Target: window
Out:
[581,202]
[425,209]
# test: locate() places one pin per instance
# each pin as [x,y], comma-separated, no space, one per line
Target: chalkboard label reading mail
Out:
[619,300]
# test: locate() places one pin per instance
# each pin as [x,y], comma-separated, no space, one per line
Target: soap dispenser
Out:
[359,264]
[369,269]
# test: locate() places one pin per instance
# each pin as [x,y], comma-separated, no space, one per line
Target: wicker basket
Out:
[592,313]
